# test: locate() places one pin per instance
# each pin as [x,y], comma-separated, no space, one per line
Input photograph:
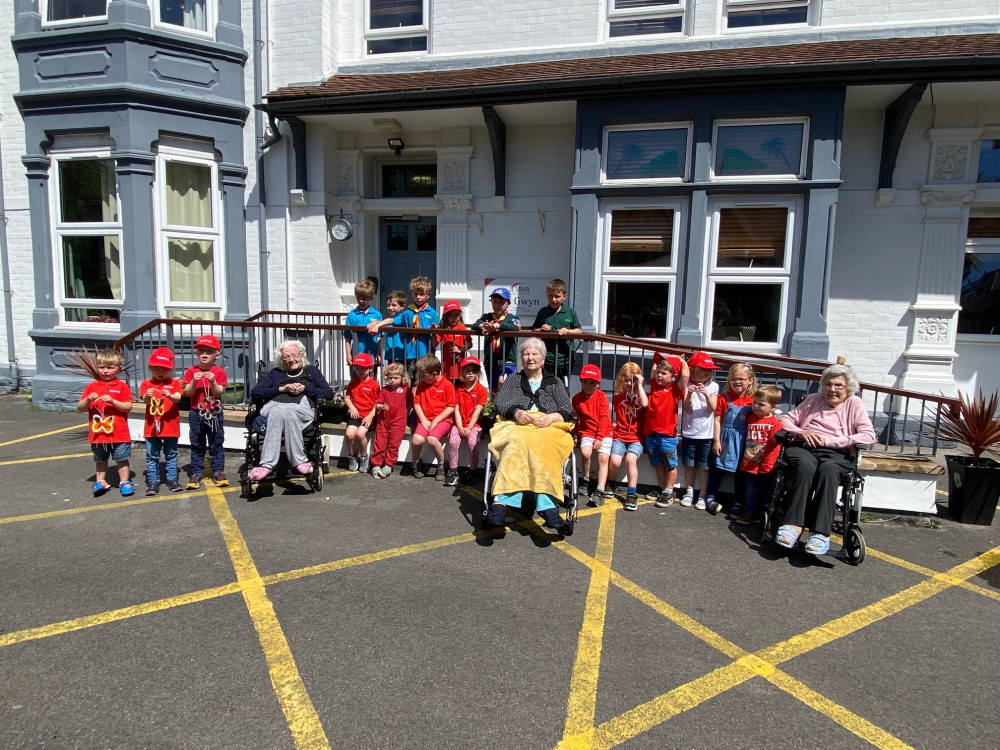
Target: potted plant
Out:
[333,409]
[973,481]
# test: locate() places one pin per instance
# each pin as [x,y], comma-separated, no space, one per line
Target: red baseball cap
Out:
[469,361]
[702,360]
[209,342]
[363,359]
[590,372]
[161,357]
[451,305]
[675,362]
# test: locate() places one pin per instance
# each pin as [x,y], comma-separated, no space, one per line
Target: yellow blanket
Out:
[530,459]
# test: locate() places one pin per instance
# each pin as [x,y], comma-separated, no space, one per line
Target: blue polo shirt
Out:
[366,341]
[419,344]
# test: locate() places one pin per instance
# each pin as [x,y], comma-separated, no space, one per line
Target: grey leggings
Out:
[288,420]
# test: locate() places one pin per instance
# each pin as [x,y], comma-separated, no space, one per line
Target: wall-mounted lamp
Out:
[397,145]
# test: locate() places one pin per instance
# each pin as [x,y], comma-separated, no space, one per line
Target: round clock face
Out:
[341,230]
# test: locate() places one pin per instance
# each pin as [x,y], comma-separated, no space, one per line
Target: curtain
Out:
[194,14]
[189,189]
[191,269]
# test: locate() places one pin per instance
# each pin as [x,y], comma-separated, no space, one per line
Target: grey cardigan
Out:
[515,393]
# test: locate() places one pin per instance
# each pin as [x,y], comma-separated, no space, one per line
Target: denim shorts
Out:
[118,451]
[602,447]
[696,451]
[618,448]
[662,450]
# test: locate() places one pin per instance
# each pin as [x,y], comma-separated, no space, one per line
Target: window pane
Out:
[187,13]
[92,267]
[746,312]
[641,238]
[984,227]
[637,309]
[646,154]
[639,4]
[87,190]
[397,238]
[752,237]
[409,180]
[989,161]
[759,149]
[391,14]
[644,26]
[191,269]
[427,238]
[64,10]
[773,17]
[189,188]
[90,315]
[980,294]
[388,46]
[193,314]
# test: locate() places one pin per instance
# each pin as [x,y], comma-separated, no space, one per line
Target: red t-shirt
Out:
[161,409]
[199,390]
[453,348]
[628,417]
[108,424]
[364,394]
[468,400]
[661,413]
[593,415]
[761,449]
[434,398]
[722,405]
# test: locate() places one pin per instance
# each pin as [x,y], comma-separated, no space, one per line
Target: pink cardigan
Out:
[843,426]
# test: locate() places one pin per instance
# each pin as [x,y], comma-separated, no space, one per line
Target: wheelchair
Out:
[569,477]
[256,425]
[850,503]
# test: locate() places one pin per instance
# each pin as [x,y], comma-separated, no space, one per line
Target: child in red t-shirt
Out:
[161,393]
[661,423]
[204,384]
[434,404]
[760,452]
[360,397]
[593,427]
[108,401]
[454,346]
[627,404]
[393,406]
[470,399]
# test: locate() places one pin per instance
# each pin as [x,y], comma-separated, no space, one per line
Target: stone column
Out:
[454,201]
[45,315]
[348,202]
[134,171]
[233,179]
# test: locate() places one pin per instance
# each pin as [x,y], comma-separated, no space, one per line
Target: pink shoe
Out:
[304,469]
[258,473]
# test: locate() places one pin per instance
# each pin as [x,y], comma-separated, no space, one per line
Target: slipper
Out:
[258,473]
[127,488]
[818,544]
[304,468]
[787,536]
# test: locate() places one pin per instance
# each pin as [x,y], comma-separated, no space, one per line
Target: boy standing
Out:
[559,317]
[161,393]
[498,352]
[760,452]
[666,394]
[107,401]
[204,384]
[418,315]
[395,348]
[593,427]
[362,315]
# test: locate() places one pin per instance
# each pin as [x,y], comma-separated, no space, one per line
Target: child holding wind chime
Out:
[204,384]
[161,394]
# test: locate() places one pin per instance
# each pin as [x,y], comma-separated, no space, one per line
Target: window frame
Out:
[211,21]
[755,178]
[990,245]
[200,155]
[60,229]
[782,275]
[688,126]
[81,21]
[748,5]
[664,10]
[623,274]
[399,32]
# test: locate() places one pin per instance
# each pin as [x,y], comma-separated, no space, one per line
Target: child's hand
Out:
[464,431]
[209,376]
[92,397]
[716,447]
[367,421]
[354,413]
[373,327]
[545,327]
[198,375]
[426,424]
[637,383]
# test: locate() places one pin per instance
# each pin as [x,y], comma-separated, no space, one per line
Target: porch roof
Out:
[865,61]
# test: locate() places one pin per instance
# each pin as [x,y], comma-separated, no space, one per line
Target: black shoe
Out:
[451,478]
[553,523]
[174,486]
[496,516]
[152,488]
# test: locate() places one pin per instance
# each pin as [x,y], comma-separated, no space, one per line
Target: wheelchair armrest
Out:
[864,447]
[783,437]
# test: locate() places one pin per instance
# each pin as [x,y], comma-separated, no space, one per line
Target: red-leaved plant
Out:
[974,423]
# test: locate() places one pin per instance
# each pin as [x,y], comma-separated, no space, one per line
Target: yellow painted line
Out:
[103,506]
[582,703]
[114,615]
[43,458]
[303,721]
[44,434]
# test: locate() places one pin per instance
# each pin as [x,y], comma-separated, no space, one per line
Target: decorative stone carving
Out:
[453,204]
[932,330]
[347,181]
[350,204]
[950,163]
[454,176]
[947,196]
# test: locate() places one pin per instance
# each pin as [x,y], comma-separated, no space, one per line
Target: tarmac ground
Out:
[378,614]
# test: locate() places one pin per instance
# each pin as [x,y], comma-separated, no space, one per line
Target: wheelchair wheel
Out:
[316,478]
[854,545]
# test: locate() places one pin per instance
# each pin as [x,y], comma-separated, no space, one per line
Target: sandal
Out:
[127,488]
[818,544]
[787,536]
[100,487]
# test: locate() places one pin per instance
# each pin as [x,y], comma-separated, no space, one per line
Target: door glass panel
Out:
[427,238]
[397,237]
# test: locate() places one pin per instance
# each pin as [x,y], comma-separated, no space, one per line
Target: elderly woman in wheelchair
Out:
[826,429]
[291,392]
[531,441]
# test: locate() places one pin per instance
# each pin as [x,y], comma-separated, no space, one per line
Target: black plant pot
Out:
[973,491]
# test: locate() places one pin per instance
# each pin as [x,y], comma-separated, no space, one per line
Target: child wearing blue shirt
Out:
[395,347]
[418,315]
[362,315]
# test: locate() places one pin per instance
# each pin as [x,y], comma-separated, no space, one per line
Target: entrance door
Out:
[407,248]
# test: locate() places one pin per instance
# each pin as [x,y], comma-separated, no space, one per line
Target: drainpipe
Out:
[8,292]
[262,146]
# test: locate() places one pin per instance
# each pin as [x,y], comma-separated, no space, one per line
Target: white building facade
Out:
[811,178]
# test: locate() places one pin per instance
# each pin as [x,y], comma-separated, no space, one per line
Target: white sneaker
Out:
[687,500]
[700,505]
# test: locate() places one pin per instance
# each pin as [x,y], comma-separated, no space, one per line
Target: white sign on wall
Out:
[527,295]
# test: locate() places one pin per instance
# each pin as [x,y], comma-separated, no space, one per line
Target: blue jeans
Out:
[206,435]
[755,487]
[153,447]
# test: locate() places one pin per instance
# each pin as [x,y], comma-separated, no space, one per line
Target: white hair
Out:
[531,343]
[288,344]
[841,371]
